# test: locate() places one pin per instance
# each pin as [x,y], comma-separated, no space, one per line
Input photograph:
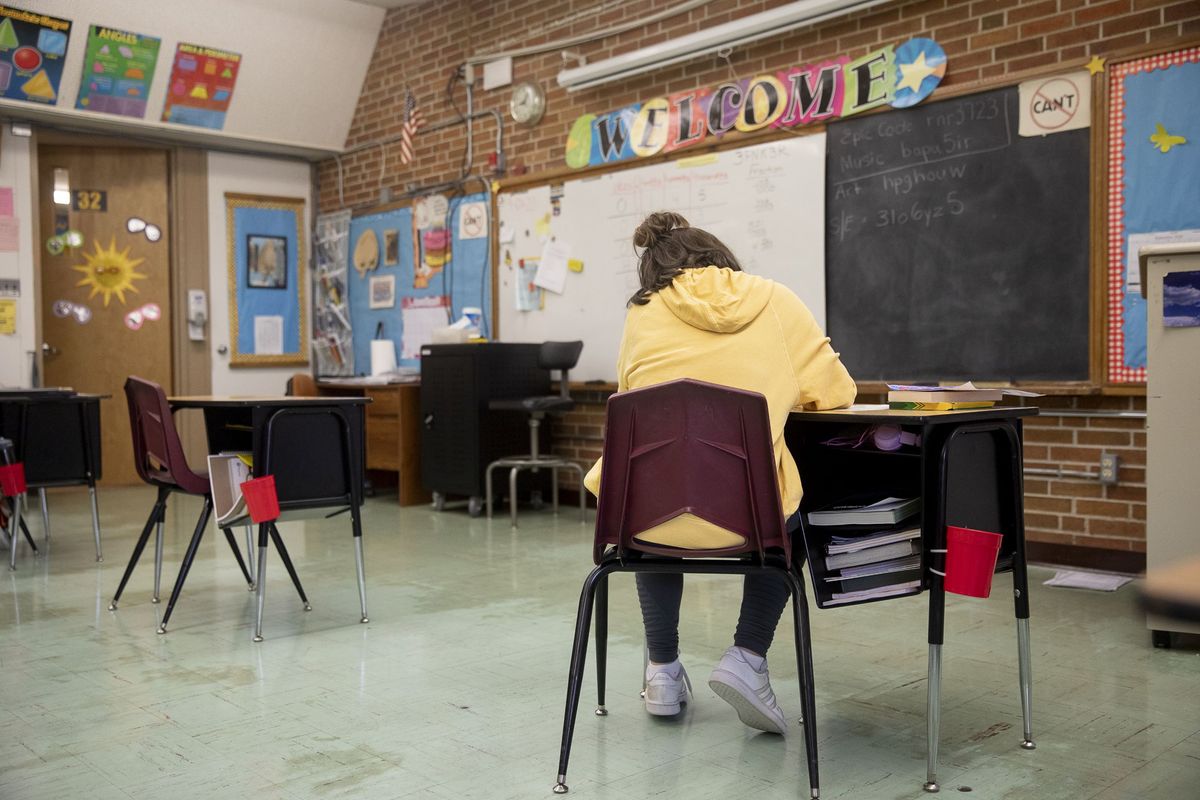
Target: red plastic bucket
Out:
[261,500]
[12,479]
[971,560]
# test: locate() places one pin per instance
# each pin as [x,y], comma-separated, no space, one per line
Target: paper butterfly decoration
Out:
[1164,141]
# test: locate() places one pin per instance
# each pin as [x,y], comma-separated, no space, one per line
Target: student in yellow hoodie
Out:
[698,315]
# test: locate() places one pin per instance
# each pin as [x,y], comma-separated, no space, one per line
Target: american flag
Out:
[412,122]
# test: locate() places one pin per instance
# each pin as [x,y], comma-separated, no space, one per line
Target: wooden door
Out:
[89,291]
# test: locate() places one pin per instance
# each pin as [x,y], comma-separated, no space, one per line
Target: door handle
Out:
[49,350]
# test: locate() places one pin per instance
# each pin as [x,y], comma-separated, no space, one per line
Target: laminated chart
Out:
[118,69]
[201,86]
[32,50]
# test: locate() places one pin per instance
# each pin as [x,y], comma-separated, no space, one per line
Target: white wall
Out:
[303,61]
[247,175]
[15,162]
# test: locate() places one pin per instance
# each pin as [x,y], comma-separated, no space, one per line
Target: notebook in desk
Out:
[884,511]
[226,474]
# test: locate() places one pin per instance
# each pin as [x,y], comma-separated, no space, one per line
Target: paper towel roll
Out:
[383,356]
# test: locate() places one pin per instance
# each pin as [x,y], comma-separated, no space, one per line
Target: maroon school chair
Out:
[158,456]
[701,449]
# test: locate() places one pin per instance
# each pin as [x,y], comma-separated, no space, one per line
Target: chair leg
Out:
[287,563]
[583,624]
[188,557]
[158,554]
[45,515]
[155,515]
[356,521]
[512,493]
[601,644]
[95,521]
[28,536]
[237,554]
[807,688]
[250,553]
[262,581]
[554,490]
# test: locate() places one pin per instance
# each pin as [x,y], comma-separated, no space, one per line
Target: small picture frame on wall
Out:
[391,248]
[266,262]
[383,291]
[267,280]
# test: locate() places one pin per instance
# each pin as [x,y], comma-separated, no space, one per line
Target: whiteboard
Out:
[766,202]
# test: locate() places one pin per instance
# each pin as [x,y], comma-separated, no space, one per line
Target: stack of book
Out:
[880,561]
[942,398]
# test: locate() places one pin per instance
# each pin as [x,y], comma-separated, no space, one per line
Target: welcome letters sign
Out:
[898,76]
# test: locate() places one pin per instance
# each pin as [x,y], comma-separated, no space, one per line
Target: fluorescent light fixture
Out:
[740,31]
[62,187]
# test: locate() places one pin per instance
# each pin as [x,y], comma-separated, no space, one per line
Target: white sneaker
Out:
[748,690]
[667,688]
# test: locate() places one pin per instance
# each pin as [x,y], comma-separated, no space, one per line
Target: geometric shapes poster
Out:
[32,50]
[118,69]
[201,86]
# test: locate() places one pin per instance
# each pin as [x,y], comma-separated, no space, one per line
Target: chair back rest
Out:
[689,447]
[157,451]
[561,356]
[302,385]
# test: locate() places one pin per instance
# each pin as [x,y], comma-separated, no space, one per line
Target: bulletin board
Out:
[1153,187]
[400,267]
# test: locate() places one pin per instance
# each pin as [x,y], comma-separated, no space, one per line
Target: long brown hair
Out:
[669,246]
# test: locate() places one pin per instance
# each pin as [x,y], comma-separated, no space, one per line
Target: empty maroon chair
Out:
[687,447]
[159,458]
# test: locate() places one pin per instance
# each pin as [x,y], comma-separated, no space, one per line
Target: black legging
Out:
[764,596]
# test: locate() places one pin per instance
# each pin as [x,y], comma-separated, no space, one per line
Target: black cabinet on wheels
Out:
[460,436]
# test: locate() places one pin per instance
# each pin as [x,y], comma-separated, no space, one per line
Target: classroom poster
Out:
[33,48]
[118,68]
[201,86]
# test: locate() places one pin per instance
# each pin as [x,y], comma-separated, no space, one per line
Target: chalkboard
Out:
[956,248]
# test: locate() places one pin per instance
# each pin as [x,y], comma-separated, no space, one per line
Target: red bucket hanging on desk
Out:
[12,479]
[970,560]
[261,500]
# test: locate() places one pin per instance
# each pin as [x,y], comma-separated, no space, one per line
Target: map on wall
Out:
[118,69]
[201,86]
[32,50]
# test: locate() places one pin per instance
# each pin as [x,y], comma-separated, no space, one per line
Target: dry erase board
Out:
[764,201]
[956,247]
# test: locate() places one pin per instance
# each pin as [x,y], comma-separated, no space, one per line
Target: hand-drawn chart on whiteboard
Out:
[764,202]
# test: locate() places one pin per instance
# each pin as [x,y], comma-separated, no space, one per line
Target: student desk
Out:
[966,468]
[312,445]
[393,431]
[56,434]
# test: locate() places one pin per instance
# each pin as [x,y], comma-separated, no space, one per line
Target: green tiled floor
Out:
[455,687]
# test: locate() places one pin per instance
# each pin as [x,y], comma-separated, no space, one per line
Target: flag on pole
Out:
[408,130]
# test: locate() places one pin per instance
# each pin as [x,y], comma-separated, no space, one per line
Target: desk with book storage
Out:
[966,468]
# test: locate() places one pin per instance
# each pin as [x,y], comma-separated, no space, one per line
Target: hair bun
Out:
[656,226]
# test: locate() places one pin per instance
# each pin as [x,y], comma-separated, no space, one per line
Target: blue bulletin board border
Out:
[250,218]
[466,276]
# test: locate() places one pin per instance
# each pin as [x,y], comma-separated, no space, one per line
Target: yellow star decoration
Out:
[1095,65]
[914,73]
[109,272]
[1165,141]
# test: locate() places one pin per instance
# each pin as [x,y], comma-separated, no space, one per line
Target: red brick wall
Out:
[419,46]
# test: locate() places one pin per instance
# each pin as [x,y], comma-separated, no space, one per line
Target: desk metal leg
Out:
[14,530]
[358,562]
[933,715]
[512,494]
[45,515]
[262,581]
[158,555]
[1026,677]
[250,556]
[95,521]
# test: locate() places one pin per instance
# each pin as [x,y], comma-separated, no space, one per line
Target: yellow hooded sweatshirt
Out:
[740,330]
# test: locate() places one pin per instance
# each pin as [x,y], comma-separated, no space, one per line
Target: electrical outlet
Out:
[1110,463]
